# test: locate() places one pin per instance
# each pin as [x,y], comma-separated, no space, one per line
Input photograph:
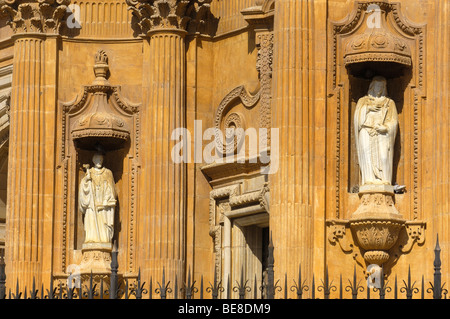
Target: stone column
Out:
[298,108]
[163,24]
[31,159]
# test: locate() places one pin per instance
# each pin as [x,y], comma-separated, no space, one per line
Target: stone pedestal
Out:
[96,259]
[376,223]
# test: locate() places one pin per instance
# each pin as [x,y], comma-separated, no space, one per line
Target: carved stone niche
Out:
[375,40]
[98,118]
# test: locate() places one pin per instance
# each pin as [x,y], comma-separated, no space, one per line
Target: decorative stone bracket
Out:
[339,233]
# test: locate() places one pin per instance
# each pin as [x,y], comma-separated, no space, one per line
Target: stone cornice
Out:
[169,15]
[34,16]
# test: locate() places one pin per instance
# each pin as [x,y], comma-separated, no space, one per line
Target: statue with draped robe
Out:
[97,202]
[376,123]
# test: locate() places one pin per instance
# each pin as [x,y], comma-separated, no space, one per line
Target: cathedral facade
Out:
[192,136]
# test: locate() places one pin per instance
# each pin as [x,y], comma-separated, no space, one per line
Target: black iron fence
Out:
[115,287]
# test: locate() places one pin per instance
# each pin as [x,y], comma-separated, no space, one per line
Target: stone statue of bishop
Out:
[97,202]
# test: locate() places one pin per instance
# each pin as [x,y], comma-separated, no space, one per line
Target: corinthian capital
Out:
[42,16]
[153,15]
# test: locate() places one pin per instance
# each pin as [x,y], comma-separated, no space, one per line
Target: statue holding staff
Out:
[97,202]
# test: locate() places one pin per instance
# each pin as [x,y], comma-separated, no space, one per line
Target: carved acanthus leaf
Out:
[168,14]
[41,16]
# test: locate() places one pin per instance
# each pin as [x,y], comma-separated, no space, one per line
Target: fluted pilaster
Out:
[32,137]
[164,193]
[297,105]
[436,140]
[164,24]
[30,171]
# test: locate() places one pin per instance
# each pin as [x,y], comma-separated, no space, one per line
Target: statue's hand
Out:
[382,129]
[88,172]
[374,108]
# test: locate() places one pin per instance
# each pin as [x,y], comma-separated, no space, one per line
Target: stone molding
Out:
[229,202]
[38,16]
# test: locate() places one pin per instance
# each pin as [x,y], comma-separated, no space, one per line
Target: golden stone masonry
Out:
[320,126]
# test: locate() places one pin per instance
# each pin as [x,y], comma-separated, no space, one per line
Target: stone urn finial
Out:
[101,67]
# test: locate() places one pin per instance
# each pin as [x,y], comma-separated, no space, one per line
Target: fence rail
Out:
[115,287]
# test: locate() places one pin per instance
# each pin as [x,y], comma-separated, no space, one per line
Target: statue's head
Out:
[378,87]
[97,159]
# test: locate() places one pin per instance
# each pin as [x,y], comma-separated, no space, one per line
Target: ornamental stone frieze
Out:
[38,16]
[152,15]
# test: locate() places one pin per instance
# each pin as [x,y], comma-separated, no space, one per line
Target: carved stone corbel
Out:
[416,235]
[338,232]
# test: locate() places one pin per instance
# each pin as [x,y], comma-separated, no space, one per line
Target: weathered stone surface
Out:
[298,66]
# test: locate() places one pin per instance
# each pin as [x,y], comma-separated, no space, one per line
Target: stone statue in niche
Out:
[376,123]
[97,201]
